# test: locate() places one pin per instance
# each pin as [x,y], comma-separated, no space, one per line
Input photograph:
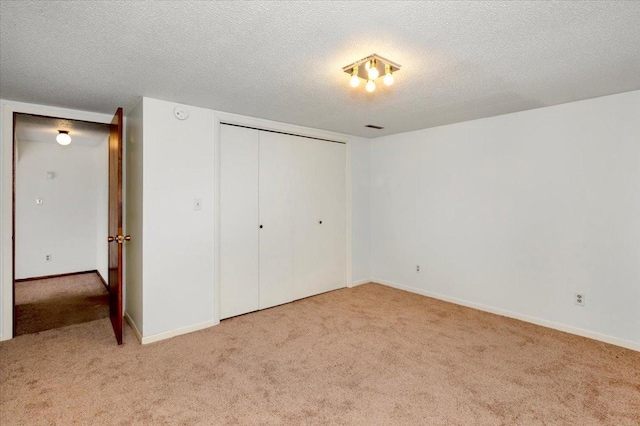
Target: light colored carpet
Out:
[59,302]
[370,355]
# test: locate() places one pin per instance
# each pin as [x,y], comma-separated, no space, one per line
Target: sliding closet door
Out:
[239,220]
[319,216]
[276,269]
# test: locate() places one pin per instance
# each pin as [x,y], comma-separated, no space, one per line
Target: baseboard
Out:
[526,318]
[360,282]
[133,325]
[46,277]
[172,333]
[104,282]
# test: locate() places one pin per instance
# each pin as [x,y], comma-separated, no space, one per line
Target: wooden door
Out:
[239,219]
[319,217]
[275,200]
[116,237]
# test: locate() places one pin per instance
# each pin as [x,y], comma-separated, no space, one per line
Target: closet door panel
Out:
[239,256]
[307,253]
[334,209]
[319,234]
[276,252]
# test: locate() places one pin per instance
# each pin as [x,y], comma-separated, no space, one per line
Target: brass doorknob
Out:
[119,238]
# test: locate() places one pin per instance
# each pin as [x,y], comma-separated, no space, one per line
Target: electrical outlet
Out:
[47,258]
[578,299]
[417,268]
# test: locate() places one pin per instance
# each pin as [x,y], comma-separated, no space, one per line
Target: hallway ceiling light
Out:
[368,69]
[63,137]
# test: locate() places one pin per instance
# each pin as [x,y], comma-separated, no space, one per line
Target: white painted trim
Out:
[177,332]
[360,282]
[133,326]
[216,217]
[276,126]
[349,219]
[224,117]
[526,318]
[8,108]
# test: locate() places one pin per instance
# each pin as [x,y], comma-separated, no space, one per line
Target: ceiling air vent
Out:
[372,126]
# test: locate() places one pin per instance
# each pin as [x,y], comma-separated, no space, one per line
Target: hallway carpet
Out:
[370,355]
[58,302]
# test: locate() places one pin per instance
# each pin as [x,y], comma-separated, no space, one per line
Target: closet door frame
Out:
[260,124]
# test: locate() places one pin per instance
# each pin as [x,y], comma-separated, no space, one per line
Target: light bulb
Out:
[388,79]
[355,81]
[373,70]
[371,86]
[367,65]
[63,137]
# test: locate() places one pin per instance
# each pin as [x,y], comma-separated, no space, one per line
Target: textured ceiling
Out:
[35,128]
[283,60]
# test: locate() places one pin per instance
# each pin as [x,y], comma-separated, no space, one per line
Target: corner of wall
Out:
[133,206]
[361,209]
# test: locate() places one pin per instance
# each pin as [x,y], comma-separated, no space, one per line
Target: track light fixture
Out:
[369,69]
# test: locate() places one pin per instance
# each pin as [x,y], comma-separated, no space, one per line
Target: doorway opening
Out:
[61,222]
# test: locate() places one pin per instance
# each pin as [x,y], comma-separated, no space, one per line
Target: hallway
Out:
[51,303]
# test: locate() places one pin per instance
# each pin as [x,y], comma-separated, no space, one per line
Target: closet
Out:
[282,218]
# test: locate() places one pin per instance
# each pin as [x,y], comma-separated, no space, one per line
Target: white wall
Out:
[361,209]
[101,154]
[133,251]
[178,167]
[65,224]
[516,213]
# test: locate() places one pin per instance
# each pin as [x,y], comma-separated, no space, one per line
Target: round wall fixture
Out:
[181,112]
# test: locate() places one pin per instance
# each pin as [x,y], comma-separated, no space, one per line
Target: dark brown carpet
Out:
[58,302]
[371,355]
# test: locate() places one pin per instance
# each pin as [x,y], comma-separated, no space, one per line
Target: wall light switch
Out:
[197,204]
[39,201]
[51,175]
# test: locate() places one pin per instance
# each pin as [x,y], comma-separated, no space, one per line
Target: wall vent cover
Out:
[373,126]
